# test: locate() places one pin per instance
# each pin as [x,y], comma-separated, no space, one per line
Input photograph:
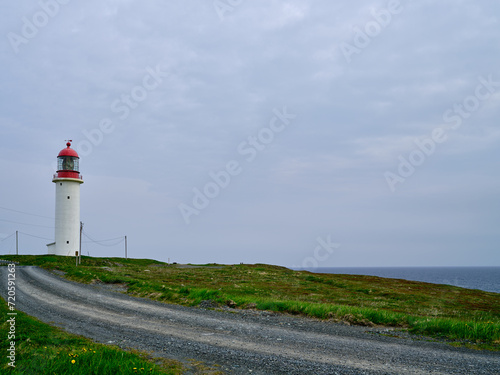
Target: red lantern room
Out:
[68,163]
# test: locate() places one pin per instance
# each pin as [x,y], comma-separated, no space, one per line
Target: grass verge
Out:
[471,317]
[46,350]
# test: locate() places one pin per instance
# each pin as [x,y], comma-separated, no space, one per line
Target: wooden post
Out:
[80,249]
[17,242]
[125,247]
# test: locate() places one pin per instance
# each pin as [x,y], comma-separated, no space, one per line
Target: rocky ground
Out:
[236,341]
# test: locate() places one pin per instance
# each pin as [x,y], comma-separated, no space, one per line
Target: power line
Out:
[6,244]
[31,235]
[26,213]
[33,225]
[13,246]
[107,245]
[13,234]
[93,240]
[99,242]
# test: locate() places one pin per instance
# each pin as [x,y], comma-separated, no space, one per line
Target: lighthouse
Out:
[67,224]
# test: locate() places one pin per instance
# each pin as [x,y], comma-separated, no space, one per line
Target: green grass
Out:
[42,349]
[470,316]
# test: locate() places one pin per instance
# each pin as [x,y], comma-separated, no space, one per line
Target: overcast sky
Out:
[298,133]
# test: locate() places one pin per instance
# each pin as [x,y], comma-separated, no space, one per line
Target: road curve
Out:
[241,342]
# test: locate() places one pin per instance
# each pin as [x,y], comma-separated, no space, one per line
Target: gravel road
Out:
[240,341]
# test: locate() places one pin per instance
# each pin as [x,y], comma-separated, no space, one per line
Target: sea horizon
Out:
[486,278]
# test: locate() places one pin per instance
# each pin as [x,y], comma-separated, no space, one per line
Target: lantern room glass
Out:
[68,163]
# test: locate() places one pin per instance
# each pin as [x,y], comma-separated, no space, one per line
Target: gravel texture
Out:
[239,341]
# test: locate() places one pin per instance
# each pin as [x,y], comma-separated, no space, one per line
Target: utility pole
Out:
[125,247]
[80,250]
[17,242]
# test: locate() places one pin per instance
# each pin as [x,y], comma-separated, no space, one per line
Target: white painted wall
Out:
[67,232]
[51,248]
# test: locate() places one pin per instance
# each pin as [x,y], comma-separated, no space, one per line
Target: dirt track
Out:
[241,342]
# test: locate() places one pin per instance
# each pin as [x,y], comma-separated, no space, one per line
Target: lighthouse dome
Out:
[68,151]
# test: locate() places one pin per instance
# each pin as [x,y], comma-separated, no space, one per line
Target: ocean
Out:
[483,278]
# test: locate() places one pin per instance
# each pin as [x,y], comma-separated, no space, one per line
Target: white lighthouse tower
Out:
[67,224]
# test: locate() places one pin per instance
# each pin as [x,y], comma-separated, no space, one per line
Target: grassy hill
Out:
[468,317]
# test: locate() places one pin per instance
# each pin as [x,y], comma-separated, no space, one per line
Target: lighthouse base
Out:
[51,248]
